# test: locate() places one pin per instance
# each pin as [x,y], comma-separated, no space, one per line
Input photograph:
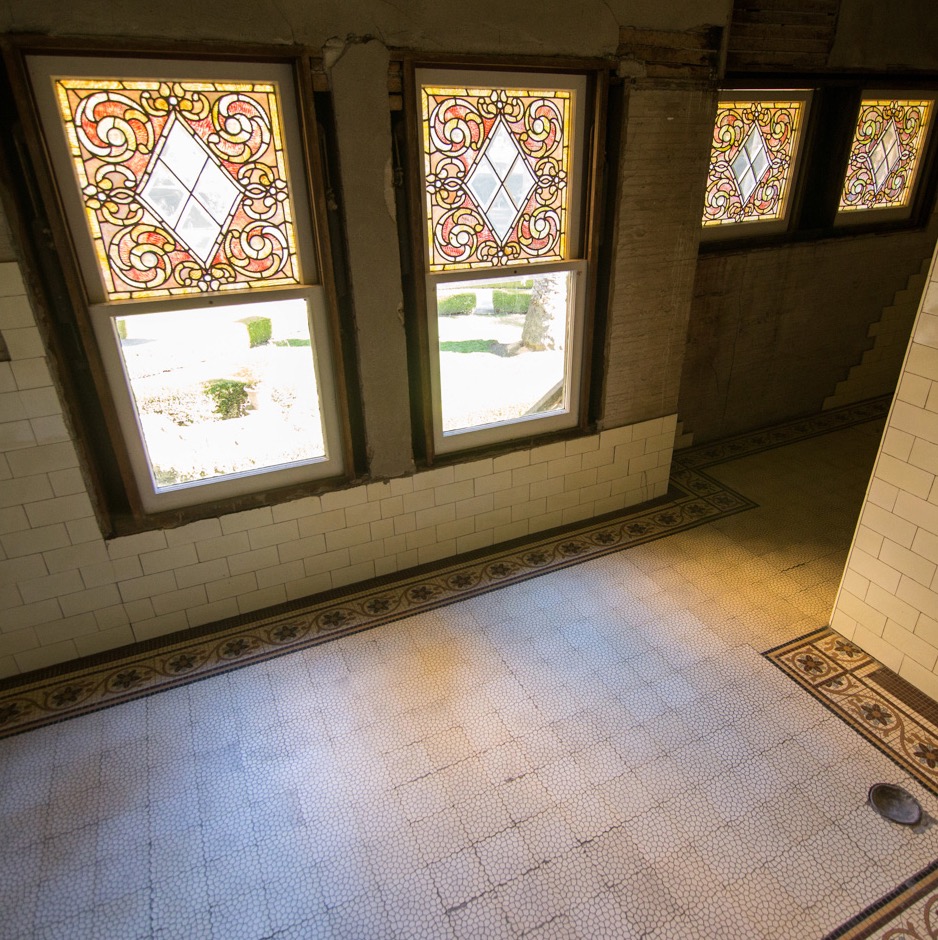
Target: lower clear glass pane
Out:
[503,348]
[223,391]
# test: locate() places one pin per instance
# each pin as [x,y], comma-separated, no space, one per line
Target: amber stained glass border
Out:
[236,200]
[497,166]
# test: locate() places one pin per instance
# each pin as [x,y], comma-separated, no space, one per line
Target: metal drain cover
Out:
[894,803]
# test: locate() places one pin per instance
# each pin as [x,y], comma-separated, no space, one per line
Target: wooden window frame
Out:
[67,305]
[824,155]
[593,219]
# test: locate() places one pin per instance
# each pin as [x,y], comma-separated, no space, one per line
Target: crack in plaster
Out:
[334,47]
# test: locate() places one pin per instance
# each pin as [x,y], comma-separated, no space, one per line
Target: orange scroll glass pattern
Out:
[184,184]
[754,146]
[886,152]
[496,174]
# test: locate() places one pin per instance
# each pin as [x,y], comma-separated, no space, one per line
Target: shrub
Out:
[259,330]
[183,406]
[122,329]
[510,301]
[456,304]
[230,397]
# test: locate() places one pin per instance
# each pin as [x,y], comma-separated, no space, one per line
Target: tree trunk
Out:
[545,323]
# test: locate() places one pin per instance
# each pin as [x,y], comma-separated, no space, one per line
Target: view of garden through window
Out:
[503,347]
[223,391]
[502,159]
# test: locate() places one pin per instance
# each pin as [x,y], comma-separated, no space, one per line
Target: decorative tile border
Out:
[76,688]
[694,498]
[915,901]
[867,696]
[754,442]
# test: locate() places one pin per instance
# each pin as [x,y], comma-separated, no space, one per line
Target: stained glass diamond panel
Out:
[751,161]
[184,183]
[758,155]
[183,154]
[496,170]
[193,195]
[750,164]
[502,150]
[165,195]
[198,230]
[216,191]
[501,214]
[886,153]
[484,183]
[501,182]
[519,182]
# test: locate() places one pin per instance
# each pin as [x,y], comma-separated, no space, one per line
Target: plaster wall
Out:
[360,97]
[772,331]
[532,27]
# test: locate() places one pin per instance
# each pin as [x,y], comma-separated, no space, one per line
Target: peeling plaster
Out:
[360,94]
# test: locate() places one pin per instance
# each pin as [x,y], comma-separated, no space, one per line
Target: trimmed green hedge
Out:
[259,330]
[511,301]
[456,304]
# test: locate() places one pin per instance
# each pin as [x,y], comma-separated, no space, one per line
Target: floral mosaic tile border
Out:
[908,913]
[694,498]
[55,694]
[844,678]
[755,442]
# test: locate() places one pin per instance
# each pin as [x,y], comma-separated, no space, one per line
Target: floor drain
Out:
[894,803]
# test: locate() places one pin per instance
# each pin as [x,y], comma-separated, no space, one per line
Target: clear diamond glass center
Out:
[885,155]
[501,181]
[751,164]
[189,191]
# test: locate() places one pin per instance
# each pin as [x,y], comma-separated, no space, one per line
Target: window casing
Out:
[887,152]
[503,182]
[185,196]
[754,161]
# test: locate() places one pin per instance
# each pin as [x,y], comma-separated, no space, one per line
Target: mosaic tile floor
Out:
[908,913]
[894,715]
[694,498]
[601,751]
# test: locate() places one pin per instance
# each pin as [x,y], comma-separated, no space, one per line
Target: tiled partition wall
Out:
[66,592]
[888,600]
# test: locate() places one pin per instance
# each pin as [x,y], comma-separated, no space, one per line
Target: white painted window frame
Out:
[568,416]
[104,314]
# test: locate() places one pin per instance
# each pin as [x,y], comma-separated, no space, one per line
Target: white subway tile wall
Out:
[65,592]
[888,599]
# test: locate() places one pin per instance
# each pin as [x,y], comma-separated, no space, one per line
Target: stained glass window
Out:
[755,144]
[506,277]
[497,165]
[184,184]
[885,155]
[196,248]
